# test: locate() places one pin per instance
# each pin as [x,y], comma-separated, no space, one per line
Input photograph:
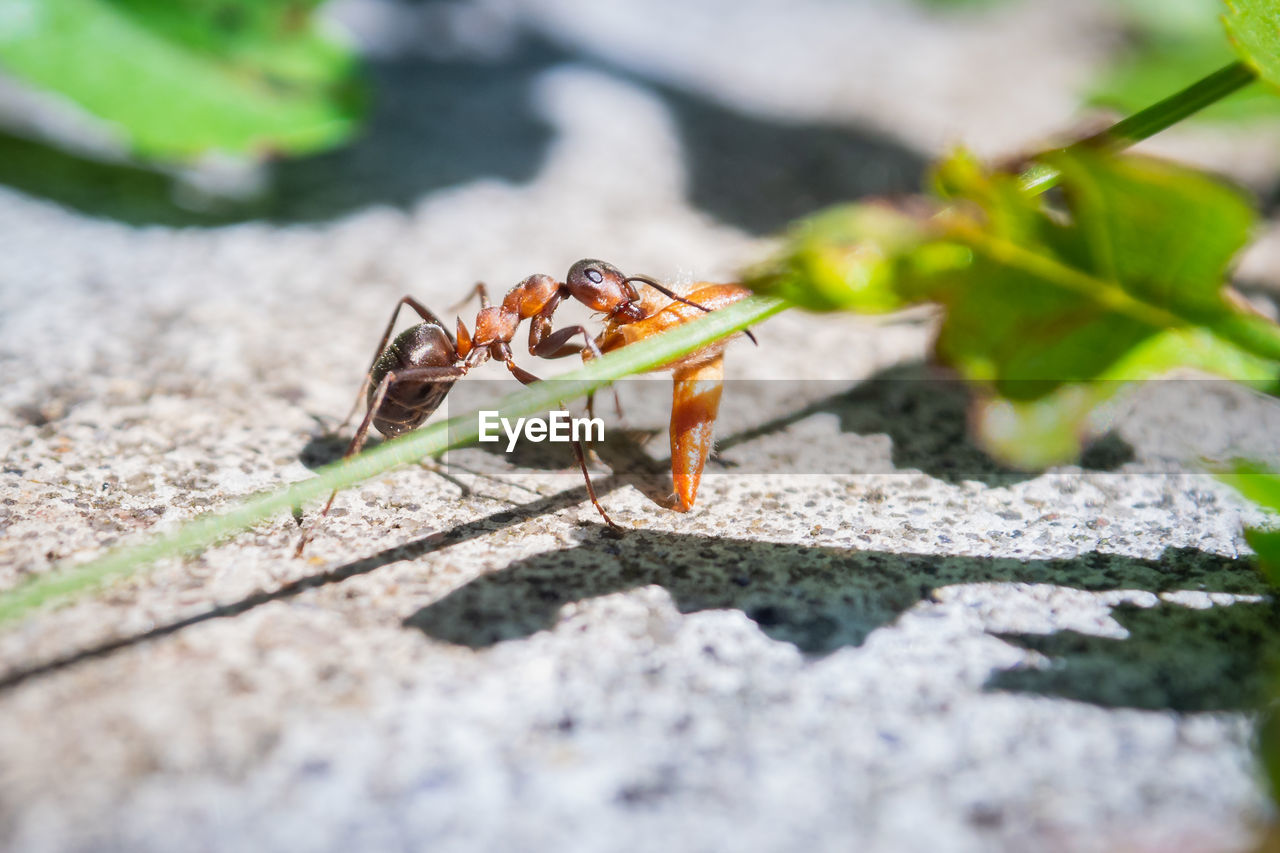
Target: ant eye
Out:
[595,275]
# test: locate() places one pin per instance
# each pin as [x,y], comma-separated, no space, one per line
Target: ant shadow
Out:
[435,124]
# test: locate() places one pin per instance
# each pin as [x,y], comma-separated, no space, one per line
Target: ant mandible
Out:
[407,381]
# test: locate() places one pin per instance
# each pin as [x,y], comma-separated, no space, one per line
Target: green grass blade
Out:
[1155,118]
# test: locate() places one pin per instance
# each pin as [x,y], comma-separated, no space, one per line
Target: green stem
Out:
[66,579]
[1150,121]
[1099,291]
[1251,332]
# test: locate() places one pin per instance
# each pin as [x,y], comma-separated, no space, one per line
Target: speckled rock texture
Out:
[865,636]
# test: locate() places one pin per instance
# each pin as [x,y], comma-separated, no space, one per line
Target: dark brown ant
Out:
[408,380]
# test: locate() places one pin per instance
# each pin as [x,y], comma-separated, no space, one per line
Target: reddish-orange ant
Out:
[407,381]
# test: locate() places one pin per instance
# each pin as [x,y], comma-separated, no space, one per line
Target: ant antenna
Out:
[663,290]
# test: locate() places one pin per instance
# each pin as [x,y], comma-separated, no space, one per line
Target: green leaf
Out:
[1267,545]
[186,77]
[1254,29]
[1036,431]
[1034,434]
[1163,233]
[1062,308]
[1048,310]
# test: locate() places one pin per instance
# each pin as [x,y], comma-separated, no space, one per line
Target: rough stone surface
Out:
[921,651]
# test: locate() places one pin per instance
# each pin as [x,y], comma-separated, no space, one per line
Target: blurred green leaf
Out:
[185,77]
[1049,310]
[1256,482]
[1165,234]
[856,257]
[1063,307]
[1254,29]
[1036,432]
[1267,545]
[1261,485]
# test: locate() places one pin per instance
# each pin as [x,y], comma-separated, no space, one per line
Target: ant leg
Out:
[524,376]
[418,374]
[544,343]
[479,290]
[527,378]
[556,344]
[427,315]
[435,468]
[591,412]
[581,456]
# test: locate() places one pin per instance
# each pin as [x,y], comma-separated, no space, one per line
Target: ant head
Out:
[599,286]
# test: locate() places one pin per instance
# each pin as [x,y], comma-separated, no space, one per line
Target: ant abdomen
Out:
[408,403]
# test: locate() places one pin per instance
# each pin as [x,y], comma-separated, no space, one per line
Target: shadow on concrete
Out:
[437,124]
[817,598]
[431,125]
[434,125]
[1216,659]
[924,412]
[821,599]
[128,194]
[824,598]
[759,174]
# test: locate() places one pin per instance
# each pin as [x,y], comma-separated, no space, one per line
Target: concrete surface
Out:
[866,636]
